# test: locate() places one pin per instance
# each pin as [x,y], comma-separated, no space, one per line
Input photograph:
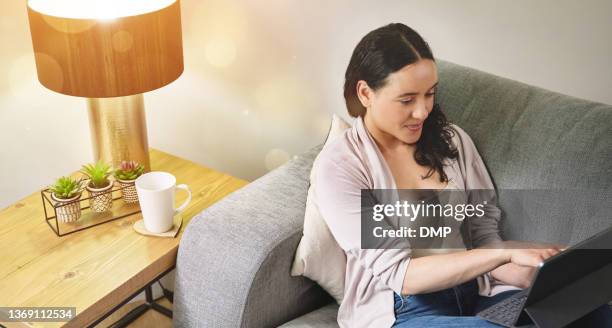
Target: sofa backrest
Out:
[531,138]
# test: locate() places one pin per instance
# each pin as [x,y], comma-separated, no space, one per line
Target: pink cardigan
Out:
[353,162]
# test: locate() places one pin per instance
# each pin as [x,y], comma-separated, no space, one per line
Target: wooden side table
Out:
[98,269]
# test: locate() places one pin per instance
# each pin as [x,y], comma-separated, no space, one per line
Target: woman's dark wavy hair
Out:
[382,52]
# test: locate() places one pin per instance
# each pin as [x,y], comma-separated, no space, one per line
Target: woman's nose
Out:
[420,112]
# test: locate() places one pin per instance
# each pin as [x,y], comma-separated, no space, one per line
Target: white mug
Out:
[156,197]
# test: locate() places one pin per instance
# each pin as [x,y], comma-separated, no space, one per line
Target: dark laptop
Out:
[566,287]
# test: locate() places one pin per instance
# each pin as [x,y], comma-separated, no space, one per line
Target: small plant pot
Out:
[128,190]
[101,199]
[67,210]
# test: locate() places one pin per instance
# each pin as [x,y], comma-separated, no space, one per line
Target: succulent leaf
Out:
[129,170]
[98,173]
[66,187]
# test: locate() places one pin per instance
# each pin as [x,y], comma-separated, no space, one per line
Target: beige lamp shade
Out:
[106,48]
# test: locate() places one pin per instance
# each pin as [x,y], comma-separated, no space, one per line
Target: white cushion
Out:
[318,256]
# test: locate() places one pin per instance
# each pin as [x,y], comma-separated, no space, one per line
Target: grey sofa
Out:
[235,257]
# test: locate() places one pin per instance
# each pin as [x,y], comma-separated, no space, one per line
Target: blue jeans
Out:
[457,306]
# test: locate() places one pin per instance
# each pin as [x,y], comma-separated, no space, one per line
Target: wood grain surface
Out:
[95,269]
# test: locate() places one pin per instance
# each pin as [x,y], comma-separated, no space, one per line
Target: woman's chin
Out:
[410,137]
[411,140]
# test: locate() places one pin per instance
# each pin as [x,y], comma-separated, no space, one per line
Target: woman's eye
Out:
[407,101]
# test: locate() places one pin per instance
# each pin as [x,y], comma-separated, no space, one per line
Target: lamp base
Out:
[119,130]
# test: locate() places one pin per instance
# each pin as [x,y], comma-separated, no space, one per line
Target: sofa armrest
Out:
[234,259]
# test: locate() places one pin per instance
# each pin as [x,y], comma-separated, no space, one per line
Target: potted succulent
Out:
[66,192]
[126,175]
[99,186]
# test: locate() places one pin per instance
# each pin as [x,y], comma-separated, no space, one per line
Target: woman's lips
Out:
[414,127]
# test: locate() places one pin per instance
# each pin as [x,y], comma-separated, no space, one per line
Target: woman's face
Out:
[399,108]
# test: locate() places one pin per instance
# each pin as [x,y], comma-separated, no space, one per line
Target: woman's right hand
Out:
[528,253]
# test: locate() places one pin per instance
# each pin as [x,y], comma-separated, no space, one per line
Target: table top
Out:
[94,269]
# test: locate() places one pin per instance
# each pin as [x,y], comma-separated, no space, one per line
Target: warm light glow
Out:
[220,52]
[122,41]
[22,76]
[97,9]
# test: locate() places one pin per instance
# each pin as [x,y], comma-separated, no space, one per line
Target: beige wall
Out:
[262,77]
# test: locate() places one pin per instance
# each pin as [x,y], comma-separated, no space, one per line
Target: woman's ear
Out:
[364,93]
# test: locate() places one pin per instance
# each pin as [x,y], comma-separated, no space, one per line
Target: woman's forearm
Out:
[514,274]
[436,272]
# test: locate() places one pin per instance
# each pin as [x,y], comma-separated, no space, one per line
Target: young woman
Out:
[402,140]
